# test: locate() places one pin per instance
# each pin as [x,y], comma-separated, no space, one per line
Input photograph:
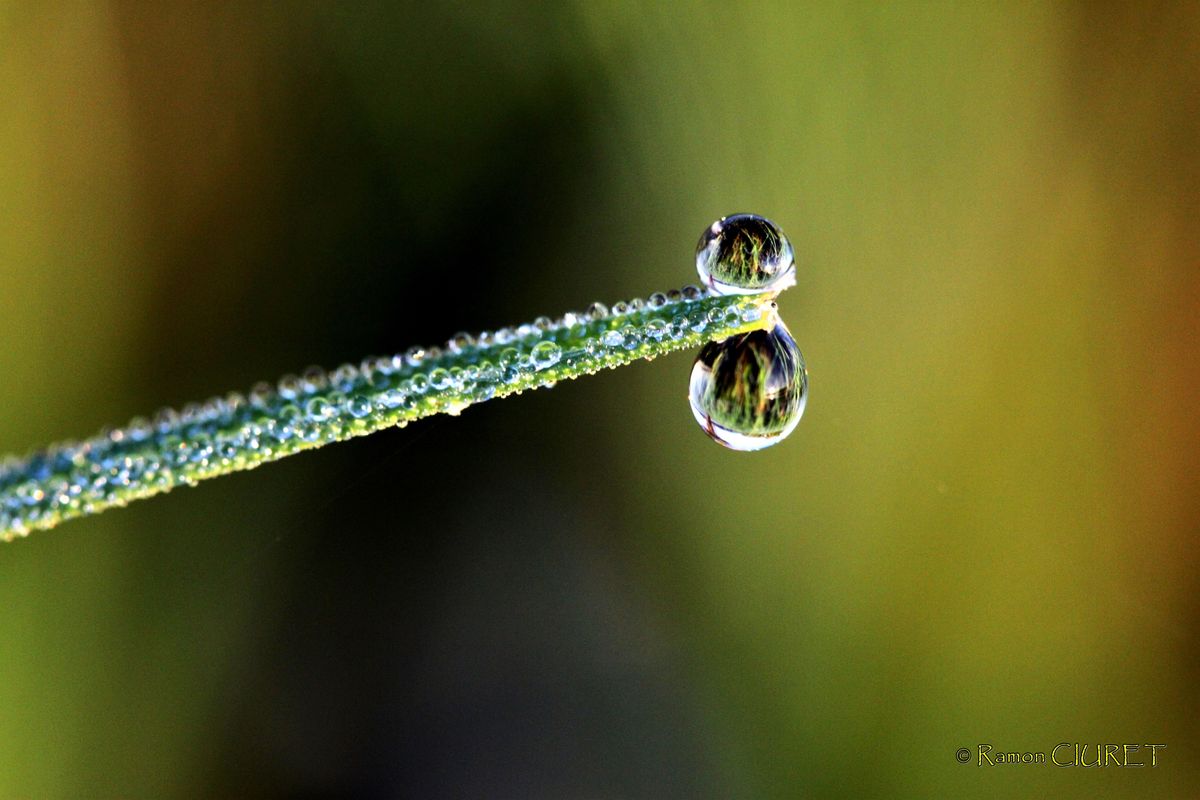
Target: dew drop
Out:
[201,448]
[227,448]
[289,387]
[414,356]
[612,339]
[745,254]
[343,377]
[358,406]
[545,355]
[392,398]
[460,342]
[487,372]
[313,380]
[260,394]
[318,409]
[140,429]
[748,391]
[190,414]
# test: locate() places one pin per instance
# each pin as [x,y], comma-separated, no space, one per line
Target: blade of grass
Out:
[202,441]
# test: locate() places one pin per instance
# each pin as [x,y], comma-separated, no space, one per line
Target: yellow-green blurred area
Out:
[983,531]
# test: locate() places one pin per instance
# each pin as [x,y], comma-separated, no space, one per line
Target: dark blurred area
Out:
[983,530]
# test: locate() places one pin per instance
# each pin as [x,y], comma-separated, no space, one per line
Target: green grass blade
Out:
[149,457]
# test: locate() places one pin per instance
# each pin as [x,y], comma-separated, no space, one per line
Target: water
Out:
[745,254]
[748,392]
[545,355]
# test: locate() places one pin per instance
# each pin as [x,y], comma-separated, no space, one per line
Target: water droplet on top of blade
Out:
[745,254]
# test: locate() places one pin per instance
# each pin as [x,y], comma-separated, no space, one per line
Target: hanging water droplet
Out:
[748,391]
[745,254]
[545,355]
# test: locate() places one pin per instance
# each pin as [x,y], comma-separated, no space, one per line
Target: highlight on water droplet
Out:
[748,392]
[745,254]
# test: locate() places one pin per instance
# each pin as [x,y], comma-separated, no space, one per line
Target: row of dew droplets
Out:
[237,432]
[748,392]
[742,263]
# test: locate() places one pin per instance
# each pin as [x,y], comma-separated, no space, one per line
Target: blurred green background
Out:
[982,531]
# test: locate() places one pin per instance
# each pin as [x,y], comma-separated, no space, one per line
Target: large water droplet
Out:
[745,254]
[748,391]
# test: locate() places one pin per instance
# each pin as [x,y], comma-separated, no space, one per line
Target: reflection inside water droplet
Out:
[745,254]
[748,391]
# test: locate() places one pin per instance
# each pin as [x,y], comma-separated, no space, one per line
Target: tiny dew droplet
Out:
[358,406]
[748,391]
[745,254]
[319,409]
[460,342]
[545,355]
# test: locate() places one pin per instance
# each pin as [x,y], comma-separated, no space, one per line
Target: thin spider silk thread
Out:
[239,432]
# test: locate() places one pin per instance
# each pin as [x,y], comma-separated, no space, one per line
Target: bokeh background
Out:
[982,531]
